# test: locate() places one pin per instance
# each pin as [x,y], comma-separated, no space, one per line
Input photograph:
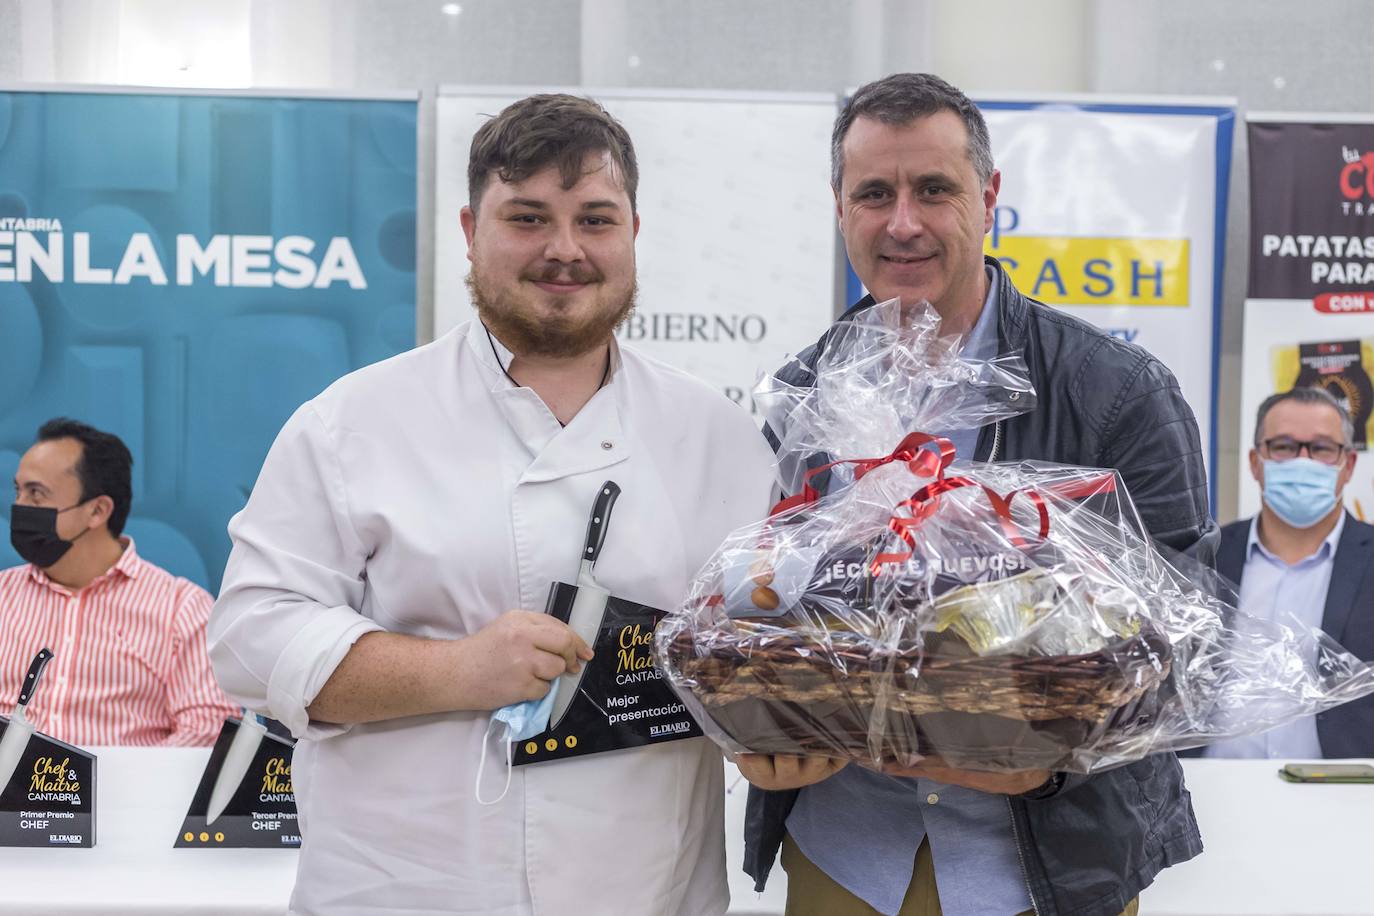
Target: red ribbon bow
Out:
[927,462]
[927,499]
[932,462]
[922,462]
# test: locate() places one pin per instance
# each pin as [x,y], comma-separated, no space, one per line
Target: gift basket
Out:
[992,616]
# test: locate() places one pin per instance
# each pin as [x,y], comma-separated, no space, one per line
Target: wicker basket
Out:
[829,694]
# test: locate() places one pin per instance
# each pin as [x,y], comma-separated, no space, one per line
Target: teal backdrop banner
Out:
[186,270]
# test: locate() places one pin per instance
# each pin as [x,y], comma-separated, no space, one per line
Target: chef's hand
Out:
[1010,782]
[779,771]
[513,658]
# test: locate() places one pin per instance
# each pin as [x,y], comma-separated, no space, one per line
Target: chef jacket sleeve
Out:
[287,612]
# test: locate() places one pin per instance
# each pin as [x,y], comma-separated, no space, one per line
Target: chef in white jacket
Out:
[382,592]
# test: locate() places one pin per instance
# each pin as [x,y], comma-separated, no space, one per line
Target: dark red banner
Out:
[1312,213]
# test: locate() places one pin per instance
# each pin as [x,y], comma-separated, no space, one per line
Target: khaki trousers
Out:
[811,892]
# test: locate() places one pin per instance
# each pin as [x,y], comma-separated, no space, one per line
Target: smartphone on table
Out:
[1327,772]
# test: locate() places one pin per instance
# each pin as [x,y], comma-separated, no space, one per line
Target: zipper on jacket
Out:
[1021,857]
[996,440]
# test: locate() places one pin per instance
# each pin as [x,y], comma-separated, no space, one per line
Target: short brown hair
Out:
[902,98]
[1306,394]
[543,130]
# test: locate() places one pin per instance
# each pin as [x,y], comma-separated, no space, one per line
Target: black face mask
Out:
[33,533]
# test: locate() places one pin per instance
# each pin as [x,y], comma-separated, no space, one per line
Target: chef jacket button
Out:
[932,798]
[607,444]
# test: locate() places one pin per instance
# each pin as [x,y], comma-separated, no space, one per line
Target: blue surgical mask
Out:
[1300,491]
[520,721]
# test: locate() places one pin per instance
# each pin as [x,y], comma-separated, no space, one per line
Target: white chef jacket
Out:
[428,495]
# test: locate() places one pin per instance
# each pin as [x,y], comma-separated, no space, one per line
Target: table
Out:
[141,799]
[1272,848]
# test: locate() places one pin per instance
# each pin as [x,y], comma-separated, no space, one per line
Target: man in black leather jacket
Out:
[915,191]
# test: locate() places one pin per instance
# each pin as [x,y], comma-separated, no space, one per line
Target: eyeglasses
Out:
[1286,448]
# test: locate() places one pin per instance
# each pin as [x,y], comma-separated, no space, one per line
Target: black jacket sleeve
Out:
[1151,437]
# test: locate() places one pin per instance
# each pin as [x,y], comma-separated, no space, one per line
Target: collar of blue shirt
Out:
[1324,551]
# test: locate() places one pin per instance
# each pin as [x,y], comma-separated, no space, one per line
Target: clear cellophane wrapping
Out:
[989,616]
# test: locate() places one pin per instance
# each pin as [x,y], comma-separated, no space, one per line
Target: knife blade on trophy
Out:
[589,606]
[20,729]
[242,749]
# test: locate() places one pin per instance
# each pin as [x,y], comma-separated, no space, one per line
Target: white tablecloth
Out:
[1272,848]
[141,798]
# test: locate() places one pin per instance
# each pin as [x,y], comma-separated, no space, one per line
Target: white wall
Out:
[996,45]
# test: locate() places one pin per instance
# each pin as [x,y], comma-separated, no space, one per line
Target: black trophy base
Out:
[261,813]
[50,798]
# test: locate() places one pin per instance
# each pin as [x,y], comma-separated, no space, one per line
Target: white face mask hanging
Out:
[521,721]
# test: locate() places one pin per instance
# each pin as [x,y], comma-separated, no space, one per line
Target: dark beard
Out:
[557,337]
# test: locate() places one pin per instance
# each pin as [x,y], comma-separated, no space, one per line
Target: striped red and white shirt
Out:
[129,664]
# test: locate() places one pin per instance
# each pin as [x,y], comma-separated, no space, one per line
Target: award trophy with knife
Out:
[245,797]
[617,700]
[47,787]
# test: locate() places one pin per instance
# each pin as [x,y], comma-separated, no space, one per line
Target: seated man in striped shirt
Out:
[128,639]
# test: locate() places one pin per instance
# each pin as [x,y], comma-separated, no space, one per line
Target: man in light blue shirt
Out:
[889,817]
[915,191]
[1304,555]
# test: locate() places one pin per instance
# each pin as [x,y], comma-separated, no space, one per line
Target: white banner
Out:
[1115,213]
[737,246]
